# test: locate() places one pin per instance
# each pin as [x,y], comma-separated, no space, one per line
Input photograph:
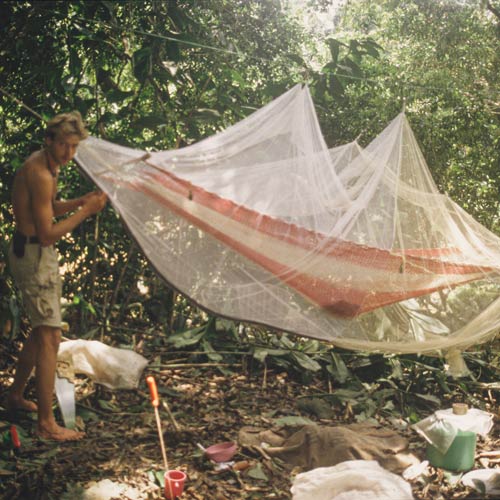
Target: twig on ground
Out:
[177,427]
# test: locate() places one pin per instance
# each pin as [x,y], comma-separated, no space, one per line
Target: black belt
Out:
[20,240]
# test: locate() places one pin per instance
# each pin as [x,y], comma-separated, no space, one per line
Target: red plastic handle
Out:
[14,436]
[155,400]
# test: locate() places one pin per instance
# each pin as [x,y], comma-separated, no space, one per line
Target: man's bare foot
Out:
[55,432]
[19,403]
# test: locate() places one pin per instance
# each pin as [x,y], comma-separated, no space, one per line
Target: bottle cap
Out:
[460,408]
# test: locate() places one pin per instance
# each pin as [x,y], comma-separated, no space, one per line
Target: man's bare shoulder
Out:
[35,169]
[35,159]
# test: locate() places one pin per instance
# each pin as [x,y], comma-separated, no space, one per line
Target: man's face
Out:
[63,147]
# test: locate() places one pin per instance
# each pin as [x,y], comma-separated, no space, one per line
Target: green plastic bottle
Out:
[460,455]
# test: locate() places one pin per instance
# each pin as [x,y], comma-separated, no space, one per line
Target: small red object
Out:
[155,401]
[174,484]
[15,437]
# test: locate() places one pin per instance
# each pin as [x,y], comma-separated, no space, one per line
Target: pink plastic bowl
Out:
[221,452]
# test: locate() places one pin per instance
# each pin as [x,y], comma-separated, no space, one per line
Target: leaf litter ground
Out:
[121,453]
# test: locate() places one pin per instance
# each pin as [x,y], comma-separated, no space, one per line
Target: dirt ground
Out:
[121,454]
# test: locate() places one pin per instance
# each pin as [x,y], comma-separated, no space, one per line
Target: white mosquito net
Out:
[263,223]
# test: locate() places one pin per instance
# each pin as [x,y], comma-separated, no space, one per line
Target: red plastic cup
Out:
[174,484]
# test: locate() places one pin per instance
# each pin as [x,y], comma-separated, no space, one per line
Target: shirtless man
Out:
[34,264]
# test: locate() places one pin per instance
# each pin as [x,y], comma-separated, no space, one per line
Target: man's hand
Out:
[94,202]
[85,197]
[62,207]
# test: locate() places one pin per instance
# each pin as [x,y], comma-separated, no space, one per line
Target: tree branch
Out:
[493,10]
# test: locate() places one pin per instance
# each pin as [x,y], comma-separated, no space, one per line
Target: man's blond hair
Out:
[66,124]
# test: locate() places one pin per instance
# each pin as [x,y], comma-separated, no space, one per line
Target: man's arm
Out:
[62,207]
[41,188]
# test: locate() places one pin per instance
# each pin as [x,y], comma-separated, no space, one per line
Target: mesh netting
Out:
[263,223]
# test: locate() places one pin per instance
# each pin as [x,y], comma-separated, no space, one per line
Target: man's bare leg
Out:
[25,365]
[47,340]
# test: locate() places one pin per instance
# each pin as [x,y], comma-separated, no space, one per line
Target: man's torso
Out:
[22,191]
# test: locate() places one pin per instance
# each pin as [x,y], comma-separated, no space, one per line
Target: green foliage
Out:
[161,75]
[188,338]
[151,75]
[440,61]
[365,385]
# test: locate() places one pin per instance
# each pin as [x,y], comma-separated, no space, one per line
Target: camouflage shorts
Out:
[36,274]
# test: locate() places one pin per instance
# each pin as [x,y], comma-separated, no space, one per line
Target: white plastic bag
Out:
[110,366]
[489,479]
[354,479]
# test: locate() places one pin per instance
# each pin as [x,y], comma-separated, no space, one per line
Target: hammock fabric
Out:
[263,223]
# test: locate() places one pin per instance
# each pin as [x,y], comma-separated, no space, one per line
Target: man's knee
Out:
[48,336]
